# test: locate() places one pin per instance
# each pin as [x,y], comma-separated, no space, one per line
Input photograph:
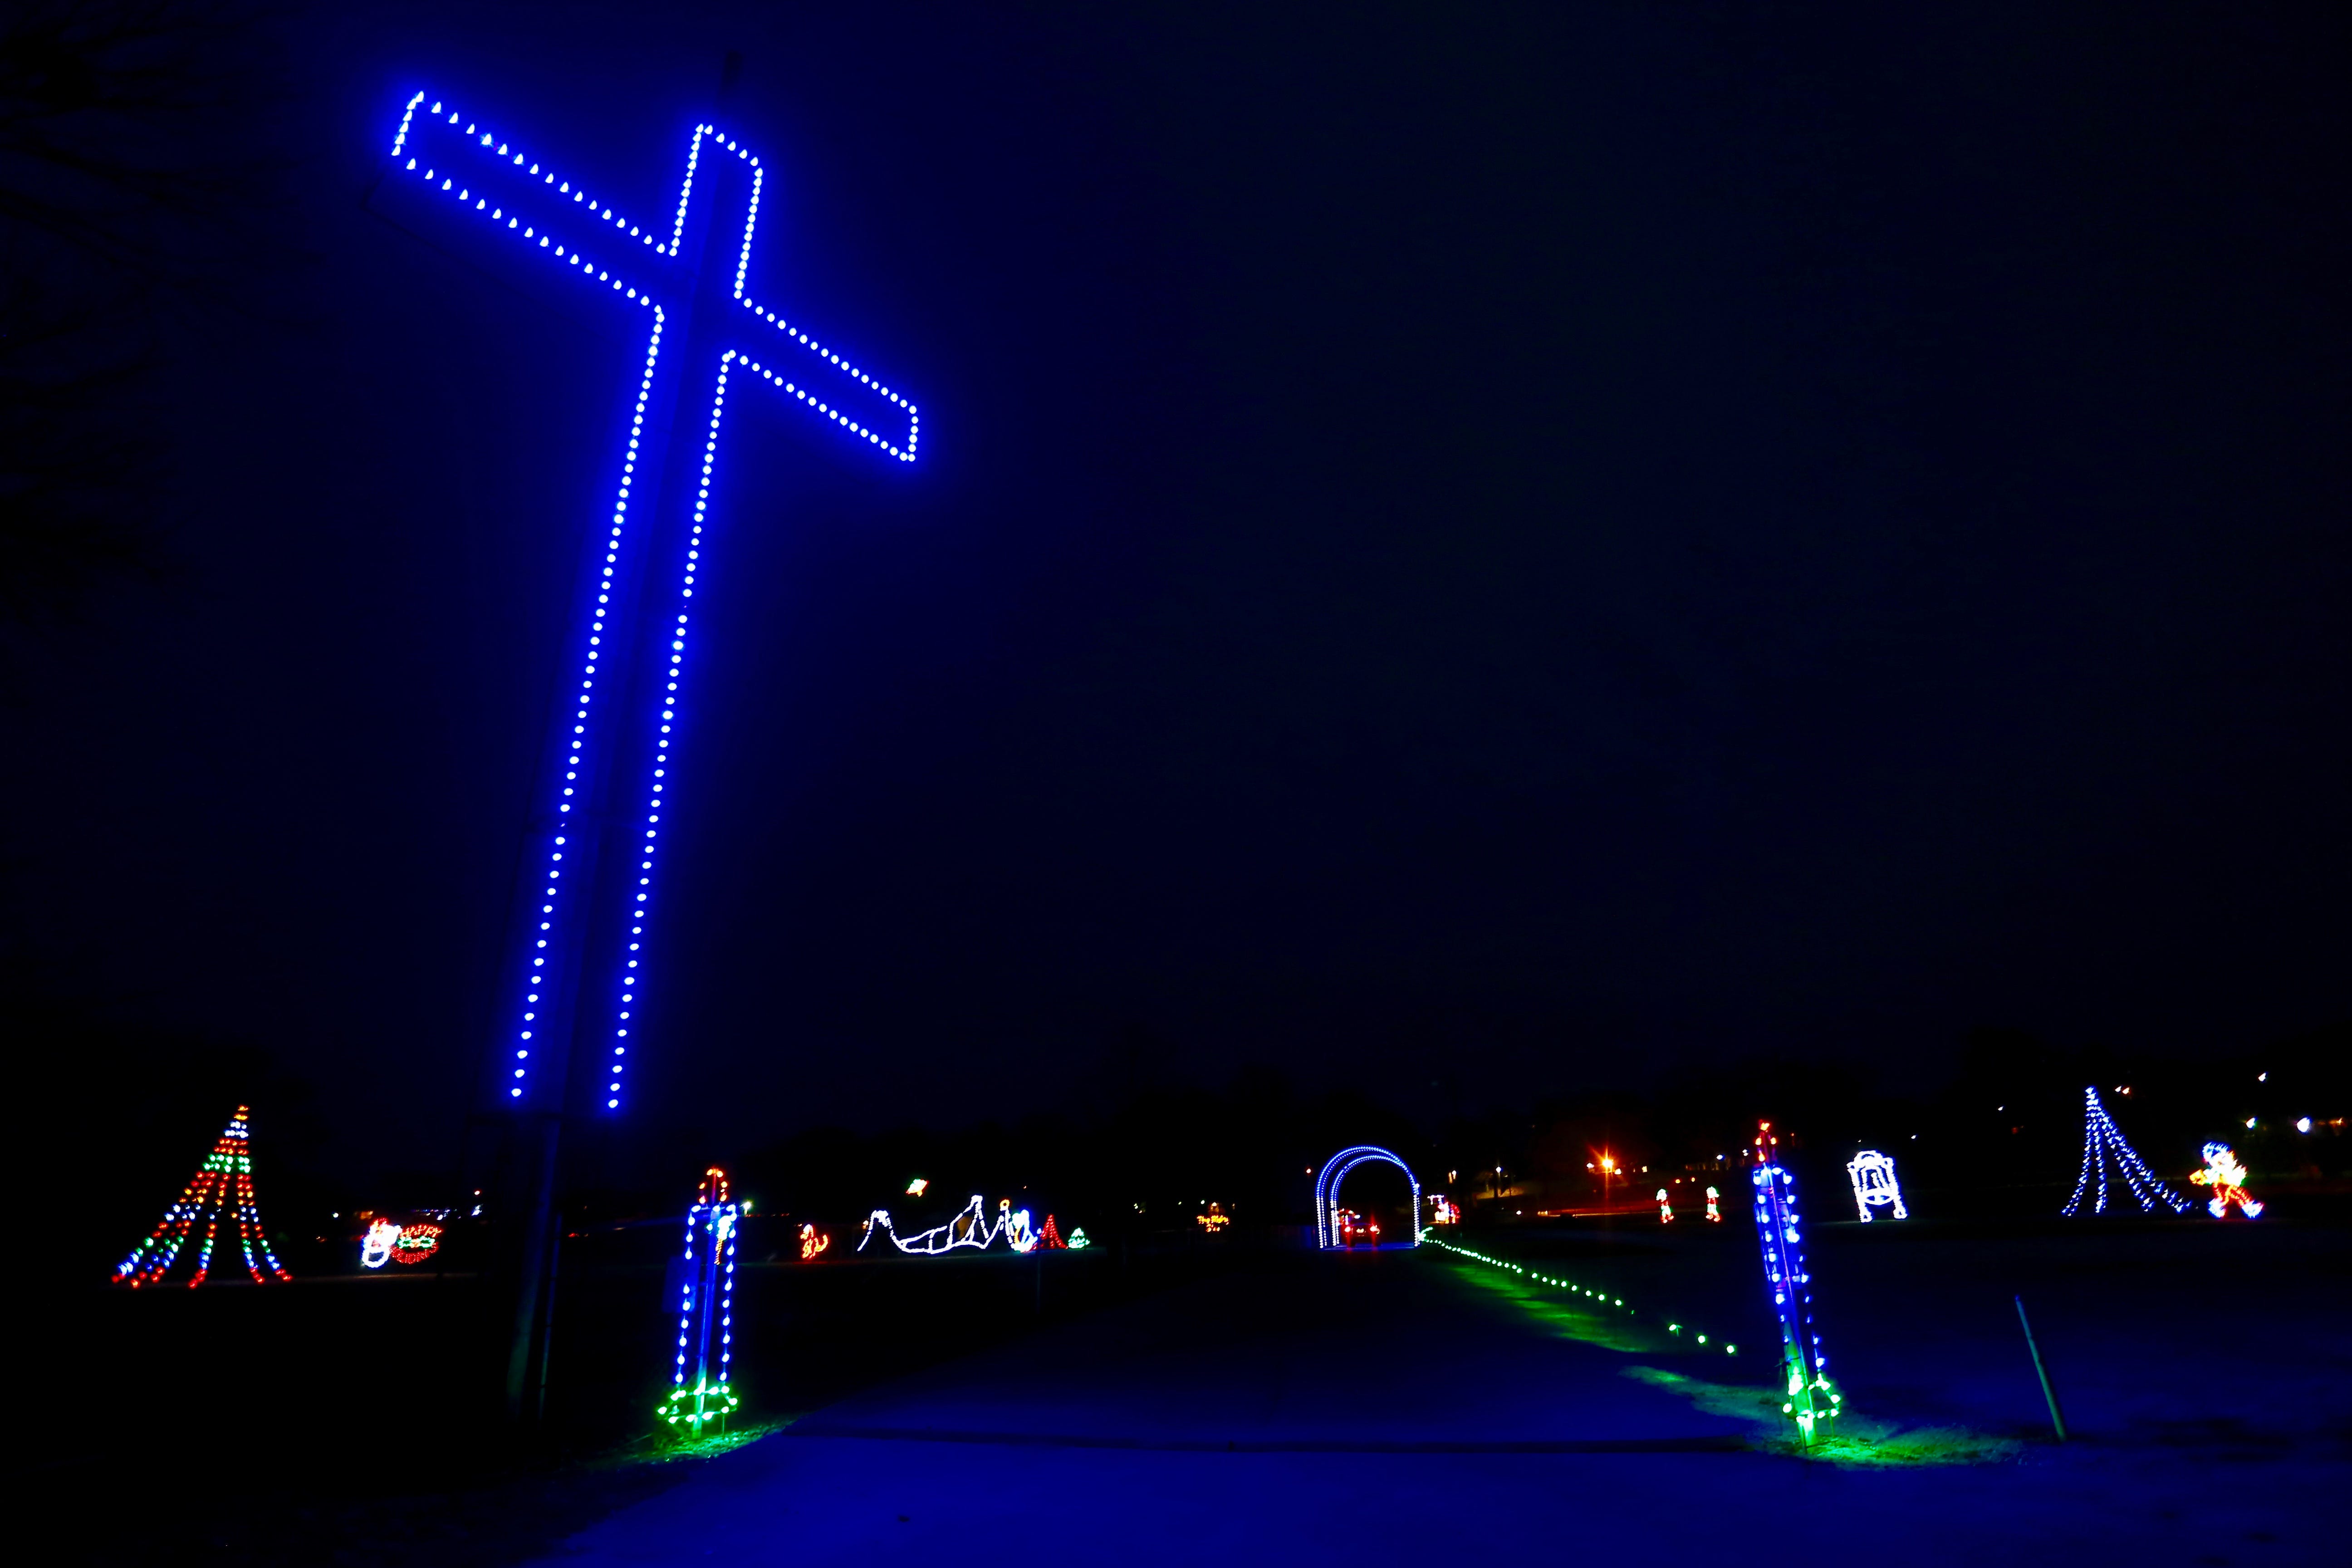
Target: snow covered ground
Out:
[1413,1407]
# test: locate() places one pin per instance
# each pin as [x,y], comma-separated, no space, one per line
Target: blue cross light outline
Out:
[490,175]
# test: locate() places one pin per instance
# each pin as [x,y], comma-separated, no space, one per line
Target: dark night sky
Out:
[1526,550]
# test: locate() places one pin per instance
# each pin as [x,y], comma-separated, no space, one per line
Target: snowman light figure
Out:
[2226,1177]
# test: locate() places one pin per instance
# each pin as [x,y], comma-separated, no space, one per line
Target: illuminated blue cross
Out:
[636,267]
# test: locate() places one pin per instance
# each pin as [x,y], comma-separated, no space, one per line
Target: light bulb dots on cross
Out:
[490,177]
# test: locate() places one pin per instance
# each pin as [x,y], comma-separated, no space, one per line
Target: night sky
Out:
[1551,547]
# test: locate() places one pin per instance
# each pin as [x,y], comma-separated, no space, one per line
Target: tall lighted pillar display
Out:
[706,1311]
[1811,1399]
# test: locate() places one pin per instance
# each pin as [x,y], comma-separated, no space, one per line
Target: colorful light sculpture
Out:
[415,1243]
[1713,1198]
[1214,1221]
[812,1242]
[658,283]
[375,1248]
[2226,1177]
[2102,1140]
[222,1185]
[1050,1237]
[1665,1208]
[1078,1241]
[1327,1191]
[699,1392]
[1810,1398]
[1875,1186]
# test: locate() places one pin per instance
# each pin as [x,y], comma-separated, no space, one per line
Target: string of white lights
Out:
[1875,1186]
[2103,1140]
[969,1227]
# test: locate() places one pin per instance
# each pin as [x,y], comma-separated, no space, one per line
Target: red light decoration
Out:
[2226,1176]
[812,1242]
[223,1183]
[417,1242]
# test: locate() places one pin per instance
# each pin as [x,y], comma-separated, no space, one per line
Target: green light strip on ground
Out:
[1602,1297]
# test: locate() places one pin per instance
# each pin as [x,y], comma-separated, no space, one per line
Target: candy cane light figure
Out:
[699,1391]
[2226,1177]
[1875,1186]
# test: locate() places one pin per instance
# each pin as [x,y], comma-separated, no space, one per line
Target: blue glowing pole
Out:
[700,1390]
[1809,1397]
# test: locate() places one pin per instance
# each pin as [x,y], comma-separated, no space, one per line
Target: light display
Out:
[1875,1186]
[969,1228]
[1441,1210]
[415,1243]
[1596,1297]
[915,1188]
[1327,1191]
[1078,1241]
[489,176]
[1810,1398]
[1050,1237]
[699,1393]
[1713,1198]
[2102,1140]
[1214,1221]
[1665,1208]
[375,1248]
[222,1185]
[2226,1177]
[812,1242]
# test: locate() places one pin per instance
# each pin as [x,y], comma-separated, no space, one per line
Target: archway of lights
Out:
[583,964]
[1335,1171]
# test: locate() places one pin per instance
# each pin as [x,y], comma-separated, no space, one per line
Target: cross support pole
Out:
[579,962]
[2048,1394]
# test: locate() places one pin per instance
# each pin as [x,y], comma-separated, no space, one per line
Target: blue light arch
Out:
[1335,1171]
